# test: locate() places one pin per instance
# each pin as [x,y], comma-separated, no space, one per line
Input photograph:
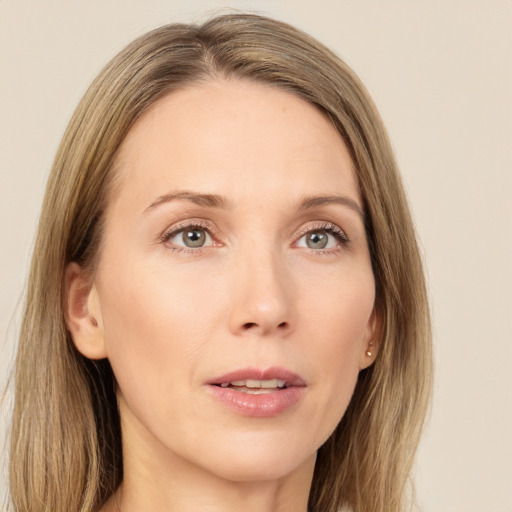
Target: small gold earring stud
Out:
[368,353]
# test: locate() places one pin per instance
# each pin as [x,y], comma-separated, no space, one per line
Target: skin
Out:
[170,317]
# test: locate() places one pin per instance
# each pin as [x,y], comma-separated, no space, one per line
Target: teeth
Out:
[256,391]
[256,384]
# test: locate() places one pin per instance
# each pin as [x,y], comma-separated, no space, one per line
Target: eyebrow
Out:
[315,201]
[217,201]
[208,200]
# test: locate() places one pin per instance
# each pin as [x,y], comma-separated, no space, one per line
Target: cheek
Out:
[339,319]
[338,309]
[156,327]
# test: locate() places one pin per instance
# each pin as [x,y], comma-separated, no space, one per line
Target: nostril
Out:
[265,328]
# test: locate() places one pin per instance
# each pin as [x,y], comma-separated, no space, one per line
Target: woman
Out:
[226,307]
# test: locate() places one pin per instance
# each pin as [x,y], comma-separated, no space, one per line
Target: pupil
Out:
[317,240]
[194,238]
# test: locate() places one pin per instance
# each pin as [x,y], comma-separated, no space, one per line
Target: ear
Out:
[83,313]
[372,339]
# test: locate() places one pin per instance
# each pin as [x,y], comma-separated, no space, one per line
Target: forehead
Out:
[237,138]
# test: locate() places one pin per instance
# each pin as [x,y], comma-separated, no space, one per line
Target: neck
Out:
[218,496]
[188,489]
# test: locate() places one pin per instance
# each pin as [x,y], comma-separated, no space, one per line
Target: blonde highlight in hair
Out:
[66,442]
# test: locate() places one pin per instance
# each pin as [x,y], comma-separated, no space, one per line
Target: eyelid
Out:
[320,224]
[203,224]
[329,227]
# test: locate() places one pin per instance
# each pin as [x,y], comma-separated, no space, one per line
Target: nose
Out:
[262,296]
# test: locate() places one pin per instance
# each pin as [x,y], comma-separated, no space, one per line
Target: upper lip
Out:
[252,373]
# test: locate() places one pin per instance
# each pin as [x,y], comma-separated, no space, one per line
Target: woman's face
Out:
[234,294]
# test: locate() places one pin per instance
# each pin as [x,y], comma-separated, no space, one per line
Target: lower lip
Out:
[264,405]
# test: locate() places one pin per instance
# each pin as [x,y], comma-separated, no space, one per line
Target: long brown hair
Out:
[66,440]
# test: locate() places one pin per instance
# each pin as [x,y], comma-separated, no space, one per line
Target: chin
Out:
[258,471]
[253,459]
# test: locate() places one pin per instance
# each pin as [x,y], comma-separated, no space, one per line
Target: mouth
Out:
[247,379]
[255,387]
[258,393]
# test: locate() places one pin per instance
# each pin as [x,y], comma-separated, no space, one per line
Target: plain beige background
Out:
[441,75]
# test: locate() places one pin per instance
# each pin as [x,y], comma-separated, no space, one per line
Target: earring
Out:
[369,351]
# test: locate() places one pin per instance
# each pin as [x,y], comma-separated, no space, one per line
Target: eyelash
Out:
[190,225]
[331,229]
[327,227]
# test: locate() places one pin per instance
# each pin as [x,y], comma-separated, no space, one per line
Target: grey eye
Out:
[317,240]
[192,238]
